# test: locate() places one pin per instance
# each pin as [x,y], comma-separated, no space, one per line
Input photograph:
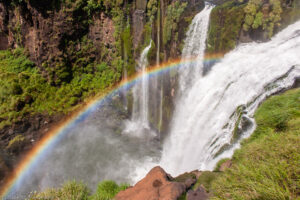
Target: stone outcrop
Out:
[157,185]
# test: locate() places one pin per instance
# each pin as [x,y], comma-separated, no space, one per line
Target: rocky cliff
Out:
[78,48]
[68,43]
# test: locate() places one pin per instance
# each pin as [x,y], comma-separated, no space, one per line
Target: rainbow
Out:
[55,134]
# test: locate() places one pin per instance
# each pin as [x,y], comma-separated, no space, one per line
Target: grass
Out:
[205,180]
[107,190]
[267,165]
[23,90]
[217,167]
[78,191]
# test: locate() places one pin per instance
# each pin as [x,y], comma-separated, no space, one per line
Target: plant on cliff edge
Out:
[107,190]
[260,14]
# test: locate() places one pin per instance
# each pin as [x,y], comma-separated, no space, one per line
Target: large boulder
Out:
[157,185]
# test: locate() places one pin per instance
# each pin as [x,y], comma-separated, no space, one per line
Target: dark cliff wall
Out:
[71,42]
[233,22]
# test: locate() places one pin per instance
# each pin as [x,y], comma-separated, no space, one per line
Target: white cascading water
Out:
[205,116]
[202,124]
[194,47]
[139,120]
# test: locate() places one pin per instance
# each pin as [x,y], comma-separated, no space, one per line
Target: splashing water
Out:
[194,47]
[208,109]
[139,123]
[189,72]
[204,120]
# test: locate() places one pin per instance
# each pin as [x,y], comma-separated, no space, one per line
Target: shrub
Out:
[268,21]
[107,190]
[70,190]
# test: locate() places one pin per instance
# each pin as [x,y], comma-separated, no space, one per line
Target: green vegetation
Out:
[255,18]
[107,190]
[267,165]
[205,179]
[78,191]
[152,8]
[24,91]
[225,24]
[16,143]
[184,177]
[217,167]
[263,15]
[71,190]
[128,50]
[170,22]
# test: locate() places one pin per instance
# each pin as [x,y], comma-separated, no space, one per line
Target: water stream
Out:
[139,122]
[108,145]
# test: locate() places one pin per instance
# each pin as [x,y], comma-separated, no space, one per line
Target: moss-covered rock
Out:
[16,144]
[234,22]
[225,25]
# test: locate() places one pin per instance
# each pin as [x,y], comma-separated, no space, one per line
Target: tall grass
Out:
[78,191]
[268,164]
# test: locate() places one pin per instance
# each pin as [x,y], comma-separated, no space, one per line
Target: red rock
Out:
[157,185]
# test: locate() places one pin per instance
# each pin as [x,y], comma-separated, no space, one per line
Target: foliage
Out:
[107,190]
[152,8]
[267,165]
[16,143]
[23,90]
[71,191]
[182,197]
[225,25]
[217,167]
[205,179]
[262,15]
[128,50]
[171,20]
[78,191]
[184,177]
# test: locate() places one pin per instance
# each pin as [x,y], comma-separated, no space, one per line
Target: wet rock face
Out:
[156,185]
[101,33]
[45,31]
[39,33]
[141,4]
[138,22]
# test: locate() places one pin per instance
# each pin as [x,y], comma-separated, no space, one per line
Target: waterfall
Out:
[207,110]
[139,122]
[194,47]
[207,113]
